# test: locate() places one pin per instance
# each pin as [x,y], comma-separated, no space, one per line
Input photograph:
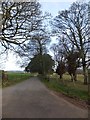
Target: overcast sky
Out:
[52,7]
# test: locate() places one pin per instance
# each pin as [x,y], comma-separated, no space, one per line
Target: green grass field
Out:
[76,90]
[15,77]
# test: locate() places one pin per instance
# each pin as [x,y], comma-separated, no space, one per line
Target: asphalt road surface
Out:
[31,99]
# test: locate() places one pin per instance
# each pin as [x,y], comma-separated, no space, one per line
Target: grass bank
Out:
[75,90]
[15,77]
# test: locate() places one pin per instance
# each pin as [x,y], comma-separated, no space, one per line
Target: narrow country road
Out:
[31,99]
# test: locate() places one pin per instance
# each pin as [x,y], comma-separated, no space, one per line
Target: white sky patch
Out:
[11,63]
[54,8]
[62,0]
[53,40]
[56,0]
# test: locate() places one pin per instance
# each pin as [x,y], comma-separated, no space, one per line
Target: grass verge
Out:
[74,90]
[14,78]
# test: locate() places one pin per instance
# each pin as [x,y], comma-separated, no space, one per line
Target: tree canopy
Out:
[41,64]
[19,21]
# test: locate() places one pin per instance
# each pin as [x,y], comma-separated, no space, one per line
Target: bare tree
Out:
[72,61]
[19,20]
[67,57]
[73,24]
[58,51]
[61,69]
[37,45]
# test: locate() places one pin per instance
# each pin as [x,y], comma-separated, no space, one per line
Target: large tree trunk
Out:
[89,86]
[75,77]
[85,75]
[71,77]
[60,76]
[84,69]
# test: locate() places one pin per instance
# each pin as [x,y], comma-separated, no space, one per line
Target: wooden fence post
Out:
[4,76]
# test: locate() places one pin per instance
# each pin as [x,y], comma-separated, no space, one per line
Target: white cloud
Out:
[57,0]
[11,63]
[70,1]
